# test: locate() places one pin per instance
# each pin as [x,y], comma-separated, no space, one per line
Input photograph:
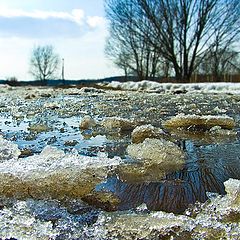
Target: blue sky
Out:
[76,28]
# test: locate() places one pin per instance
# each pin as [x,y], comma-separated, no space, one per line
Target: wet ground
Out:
[36,117]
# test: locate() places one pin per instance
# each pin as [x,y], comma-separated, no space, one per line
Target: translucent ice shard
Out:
[155,158]
[197,121]
[140,133]
[120,124]
[53,174]
[158,151]
[233,190]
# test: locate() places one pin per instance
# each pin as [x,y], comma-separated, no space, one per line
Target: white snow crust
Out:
[150,86]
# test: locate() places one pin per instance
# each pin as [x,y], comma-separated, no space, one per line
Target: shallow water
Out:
[210,160]
[207,168]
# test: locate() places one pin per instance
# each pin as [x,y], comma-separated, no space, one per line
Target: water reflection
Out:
[206,170]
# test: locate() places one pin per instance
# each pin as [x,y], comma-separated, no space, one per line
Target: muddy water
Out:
[34,119]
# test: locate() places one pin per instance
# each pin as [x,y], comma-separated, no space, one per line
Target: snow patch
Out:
[150,86]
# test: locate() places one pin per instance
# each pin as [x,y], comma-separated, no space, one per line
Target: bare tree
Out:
[126,47]
[119,56]
[182,30]
[220,63]
[188,29]
[44,63]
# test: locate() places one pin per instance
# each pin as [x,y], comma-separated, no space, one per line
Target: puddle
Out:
[63,133]
[207,168]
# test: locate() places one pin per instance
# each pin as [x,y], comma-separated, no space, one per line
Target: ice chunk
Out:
[53,174]
[144,173]
[91,90]
[146,226]
[104,200]
[120,124]
[201,122]
[156,157]
[8,150]
[140,133]
[51,105]
[87,122]
[216,219]
[233,190]
[31,219]
[214,135]
[217,130]
[158,151]
[40,220]
[38,128]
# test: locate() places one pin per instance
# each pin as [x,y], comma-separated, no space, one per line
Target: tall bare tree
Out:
[126,47]
[188,29]
[181,31]
[44,63]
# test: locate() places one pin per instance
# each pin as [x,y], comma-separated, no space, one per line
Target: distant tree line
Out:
[152,38]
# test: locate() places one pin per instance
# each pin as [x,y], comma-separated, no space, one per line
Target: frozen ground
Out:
[79,164]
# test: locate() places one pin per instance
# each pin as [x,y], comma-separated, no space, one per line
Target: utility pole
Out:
[63,70]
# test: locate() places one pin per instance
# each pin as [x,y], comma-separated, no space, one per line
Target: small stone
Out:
[45,95]
[180,91]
